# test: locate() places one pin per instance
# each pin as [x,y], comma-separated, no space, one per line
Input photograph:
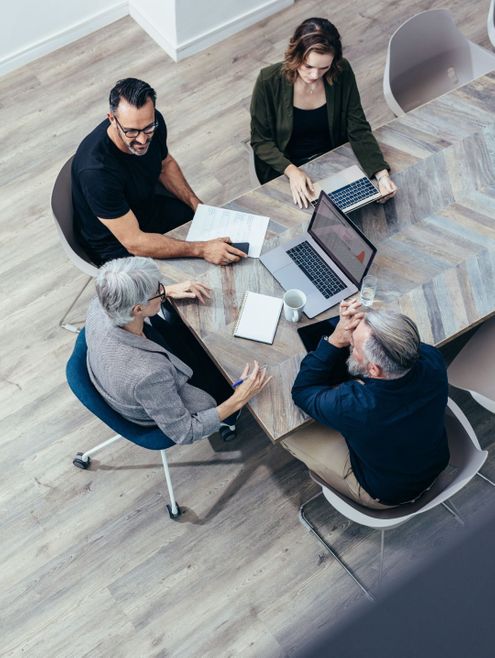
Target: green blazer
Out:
[272,121]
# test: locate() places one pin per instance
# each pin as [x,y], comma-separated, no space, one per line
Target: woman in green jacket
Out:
[307,105]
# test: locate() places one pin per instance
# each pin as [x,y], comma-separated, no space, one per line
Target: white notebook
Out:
[258,317]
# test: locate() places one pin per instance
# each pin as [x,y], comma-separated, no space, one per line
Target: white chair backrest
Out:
[490,23]
[473,368]
[423,38]
[428,56]
[64,220]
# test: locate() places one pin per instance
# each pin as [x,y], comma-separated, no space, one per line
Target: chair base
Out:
[67,325]
[171,514]
[483,477]
[305,521]
[82,460]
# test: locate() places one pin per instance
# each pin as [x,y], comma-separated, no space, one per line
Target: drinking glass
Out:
[368,290]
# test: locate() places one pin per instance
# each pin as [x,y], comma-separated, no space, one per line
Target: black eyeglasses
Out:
[134,132]
[162,293]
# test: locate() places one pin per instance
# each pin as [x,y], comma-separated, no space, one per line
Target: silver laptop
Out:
[349,189]
[328,262]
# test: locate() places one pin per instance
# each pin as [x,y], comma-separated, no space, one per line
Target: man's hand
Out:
[188,290]
[301,186]
[221,252]
[350,316]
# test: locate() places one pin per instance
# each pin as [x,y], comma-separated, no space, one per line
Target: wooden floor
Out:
[91,564]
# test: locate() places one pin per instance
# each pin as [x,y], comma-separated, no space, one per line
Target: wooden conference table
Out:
[435,239]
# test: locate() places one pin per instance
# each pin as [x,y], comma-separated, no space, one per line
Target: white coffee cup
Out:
[294,302]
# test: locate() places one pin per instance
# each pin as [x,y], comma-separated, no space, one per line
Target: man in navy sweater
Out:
[378,395]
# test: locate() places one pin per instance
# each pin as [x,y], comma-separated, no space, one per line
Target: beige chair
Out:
[473,369]
[490,23]
[466,458]
[63,215]
[253,178]
[428,56]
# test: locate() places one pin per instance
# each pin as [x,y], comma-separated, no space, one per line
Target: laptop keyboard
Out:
[354,193]
[315,268]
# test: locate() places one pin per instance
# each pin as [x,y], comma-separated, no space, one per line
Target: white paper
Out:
[210,222]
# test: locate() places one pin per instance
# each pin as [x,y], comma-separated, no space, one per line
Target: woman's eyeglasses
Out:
[162,293]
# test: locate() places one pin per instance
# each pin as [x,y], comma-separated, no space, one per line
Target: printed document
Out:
[210,222]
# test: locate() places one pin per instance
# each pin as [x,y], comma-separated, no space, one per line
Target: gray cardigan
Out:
[144,382]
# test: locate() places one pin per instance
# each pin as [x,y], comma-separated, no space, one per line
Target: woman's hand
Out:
[188,290]
[386,185]
[252,383]
[301,186]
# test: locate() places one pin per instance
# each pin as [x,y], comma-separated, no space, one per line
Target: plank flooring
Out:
[91,565]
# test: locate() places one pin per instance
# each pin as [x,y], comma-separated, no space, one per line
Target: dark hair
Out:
[313,35]
[134,91]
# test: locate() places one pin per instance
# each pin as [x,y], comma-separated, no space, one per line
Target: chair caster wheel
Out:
[227,433]
[80,463]
[172,515]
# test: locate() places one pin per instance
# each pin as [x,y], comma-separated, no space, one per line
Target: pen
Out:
[241,381]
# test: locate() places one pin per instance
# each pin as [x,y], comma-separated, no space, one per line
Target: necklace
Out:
[310,86]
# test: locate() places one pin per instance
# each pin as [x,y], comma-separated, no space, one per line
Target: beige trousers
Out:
[325,452]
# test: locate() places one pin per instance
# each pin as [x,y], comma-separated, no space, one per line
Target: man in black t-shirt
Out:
[127,189]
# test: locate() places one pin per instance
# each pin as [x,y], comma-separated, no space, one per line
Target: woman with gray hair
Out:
[379,396]
[151,371]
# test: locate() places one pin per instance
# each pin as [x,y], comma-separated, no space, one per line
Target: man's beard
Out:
[134,151]
[355,368]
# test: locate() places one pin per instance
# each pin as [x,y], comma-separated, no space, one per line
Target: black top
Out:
[394,428]
[310,135]
[107,183]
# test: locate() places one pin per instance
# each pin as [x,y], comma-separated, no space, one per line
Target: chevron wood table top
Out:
[435,239]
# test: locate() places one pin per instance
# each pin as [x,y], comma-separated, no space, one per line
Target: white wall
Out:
[184,27]
[31,28]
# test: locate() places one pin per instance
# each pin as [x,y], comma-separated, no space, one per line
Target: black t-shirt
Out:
[310,135]
[107,183]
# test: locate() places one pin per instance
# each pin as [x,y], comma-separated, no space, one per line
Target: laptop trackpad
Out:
[291,276]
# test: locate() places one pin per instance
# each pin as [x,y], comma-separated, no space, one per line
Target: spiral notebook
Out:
[258,317]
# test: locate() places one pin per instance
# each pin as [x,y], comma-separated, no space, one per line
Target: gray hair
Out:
[124,282]
[393,343]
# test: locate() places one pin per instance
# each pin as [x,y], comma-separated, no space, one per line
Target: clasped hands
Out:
[351,314]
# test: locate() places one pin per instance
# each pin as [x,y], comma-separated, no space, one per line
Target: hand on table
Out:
[301,186]
[386,186]
[351,314]
[252,383]
[188,290]
[221,252]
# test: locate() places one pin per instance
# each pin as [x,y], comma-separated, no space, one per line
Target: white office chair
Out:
[473,369]
[253,177]
[490,23]
[63,215]
[466,458]
[428,56]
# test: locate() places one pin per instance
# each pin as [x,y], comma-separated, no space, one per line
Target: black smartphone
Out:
[242,246]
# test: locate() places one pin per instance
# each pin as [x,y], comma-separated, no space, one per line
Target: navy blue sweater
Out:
[394,428]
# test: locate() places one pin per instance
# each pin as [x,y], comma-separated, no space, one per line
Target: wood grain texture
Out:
[91,564]
[435,239]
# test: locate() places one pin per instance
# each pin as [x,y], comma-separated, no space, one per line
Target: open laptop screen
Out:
[343,241]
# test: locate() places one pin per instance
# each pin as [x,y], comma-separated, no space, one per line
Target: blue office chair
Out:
[146,437]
